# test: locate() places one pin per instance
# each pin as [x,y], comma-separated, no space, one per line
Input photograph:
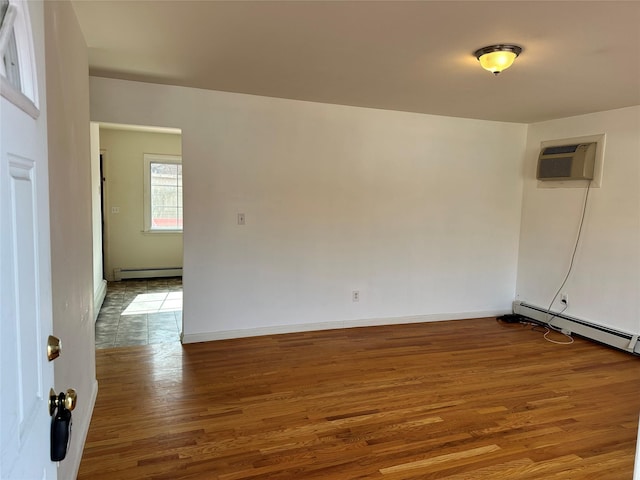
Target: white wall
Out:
[71,224]
[419,213]
[127,245]
[605,282]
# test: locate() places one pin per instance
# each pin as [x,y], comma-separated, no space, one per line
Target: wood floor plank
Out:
[465,399]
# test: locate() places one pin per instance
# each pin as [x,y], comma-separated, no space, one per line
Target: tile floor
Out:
[140,312]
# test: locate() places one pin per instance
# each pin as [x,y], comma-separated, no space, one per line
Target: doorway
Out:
[141,261]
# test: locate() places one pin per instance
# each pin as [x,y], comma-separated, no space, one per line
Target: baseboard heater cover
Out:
[126,273]
[609,336]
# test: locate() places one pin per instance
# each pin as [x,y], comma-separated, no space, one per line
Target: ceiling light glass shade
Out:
[497,58]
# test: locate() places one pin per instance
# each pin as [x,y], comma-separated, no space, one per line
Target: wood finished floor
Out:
[468,399]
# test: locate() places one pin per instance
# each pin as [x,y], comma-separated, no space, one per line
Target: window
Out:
[18,82]
[10,66]
[163,193]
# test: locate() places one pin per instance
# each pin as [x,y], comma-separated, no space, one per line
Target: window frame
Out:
[150,158]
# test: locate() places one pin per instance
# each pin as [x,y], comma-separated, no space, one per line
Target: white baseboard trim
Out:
[310,327]
[70,466]
[98,299]
[636,470]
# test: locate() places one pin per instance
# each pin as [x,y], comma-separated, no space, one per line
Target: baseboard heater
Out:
[125,273]
[606,335]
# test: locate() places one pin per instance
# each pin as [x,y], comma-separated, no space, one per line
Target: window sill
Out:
[162,232]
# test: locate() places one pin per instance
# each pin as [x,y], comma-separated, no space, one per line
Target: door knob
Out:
[54,347]
[65,401]
[60,406]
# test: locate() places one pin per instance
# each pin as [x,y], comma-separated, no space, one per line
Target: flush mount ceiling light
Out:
[497,58]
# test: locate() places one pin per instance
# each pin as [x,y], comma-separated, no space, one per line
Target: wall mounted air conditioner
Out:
[567,162]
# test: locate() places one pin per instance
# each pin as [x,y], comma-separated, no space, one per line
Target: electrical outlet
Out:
[355,296]
[564,298]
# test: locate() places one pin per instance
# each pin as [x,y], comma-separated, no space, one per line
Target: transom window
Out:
[163,193]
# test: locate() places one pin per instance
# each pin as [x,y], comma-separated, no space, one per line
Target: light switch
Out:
[115,209]
[241,219]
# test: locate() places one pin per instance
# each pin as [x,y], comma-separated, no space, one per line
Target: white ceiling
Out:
[579,57]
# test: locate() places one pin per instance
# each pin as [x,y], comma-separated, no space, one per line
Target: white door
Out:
[25,269]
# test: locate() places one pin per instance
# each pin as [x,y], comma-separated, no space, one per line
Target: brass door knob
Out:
[65,400]
[70,399]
